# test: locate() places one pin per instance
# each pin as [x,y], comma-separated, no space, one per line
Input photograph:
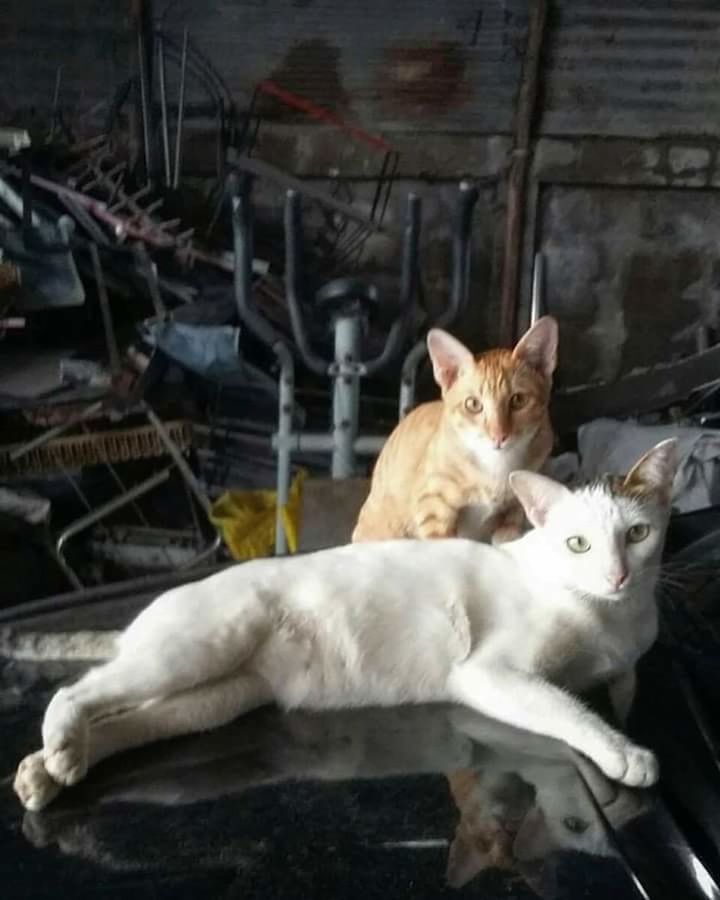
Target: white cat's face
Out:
[604,542]
[606,537]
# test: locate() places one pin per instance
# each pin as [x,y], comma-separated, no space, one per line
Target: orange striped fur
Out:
[444,470]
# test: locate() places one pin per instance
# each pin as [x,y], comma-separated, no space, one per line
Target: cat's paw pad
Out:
[33,784]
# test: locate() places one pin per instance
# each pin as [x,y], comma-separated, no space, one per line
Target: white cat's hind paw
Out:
[33,784]
[642,768]
[629,764]
[65,741]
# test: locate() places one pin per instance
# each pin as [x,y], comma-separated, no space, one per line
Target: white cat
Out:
[498,629]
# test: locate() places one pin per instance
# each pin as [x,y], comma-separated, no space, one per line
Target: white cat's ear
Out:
[656,469]
[537,494]
[539,345]
[448,356]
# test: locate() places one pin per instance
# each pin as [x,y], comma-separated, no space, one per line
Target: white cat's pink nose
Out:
[618,579]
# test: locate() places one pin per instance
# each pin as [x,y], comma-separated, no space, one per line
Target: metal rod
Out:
[517,175]
[56,99]
[56,431]
[181,111]
[110,341]
[149,272]
[179,460]
[163,108]
[144,100]
[537,304]
[99,513]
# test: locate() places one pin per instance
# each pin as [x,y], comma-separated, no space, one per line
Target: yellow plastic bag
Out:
[246,520]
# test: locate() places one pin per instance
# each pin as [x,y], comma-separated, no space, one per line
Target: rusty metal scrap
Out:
[94,448]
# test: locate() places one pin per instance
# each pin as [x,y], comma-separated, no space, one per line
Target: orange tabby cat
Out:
[444,470]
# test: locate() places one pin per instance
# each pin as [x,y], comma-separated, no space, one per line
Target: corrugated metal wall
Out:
[450,66]
[642,69]
[620,68]
[88,38]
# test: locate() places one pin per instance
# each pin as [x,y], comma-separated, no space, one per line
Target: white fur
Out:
[383,624]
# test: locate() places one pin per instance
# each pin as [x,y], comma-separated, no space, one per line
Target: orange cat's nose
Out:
[498,440]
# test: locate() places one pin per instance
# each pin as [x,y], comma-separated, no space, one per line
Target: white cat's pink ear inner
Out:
[656,469]
[448,357]
[538,347]
[537,495]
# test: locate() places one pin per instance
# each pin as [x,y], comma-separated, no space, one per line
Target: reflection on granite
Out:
[411,802]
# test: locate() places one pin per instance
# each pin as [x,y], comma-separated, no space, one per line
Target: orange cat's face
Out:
[499,400]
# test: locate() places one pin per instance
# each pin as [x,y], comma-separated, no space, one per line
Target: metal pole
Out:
[537,304]
[181,111]
[163,108]
[112,347]
[144,101]
[286,401]
[346,395]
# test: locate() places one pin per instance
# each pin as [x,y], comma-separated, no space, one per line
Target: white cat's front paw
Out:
[630,764]
[33,784]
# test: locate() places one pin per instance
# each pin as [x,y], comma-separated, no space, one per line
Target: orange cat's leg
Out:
[436,509]
[510,526]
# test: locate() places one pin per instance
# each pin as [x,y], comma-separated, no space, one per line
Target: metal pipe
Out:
[163,108]
[537,303]
[319,442]
[346,395]
[110,341]
[181,111]
[145,586]
[408,377]
[293,282]
[408,287]
[99,513]
[286,403]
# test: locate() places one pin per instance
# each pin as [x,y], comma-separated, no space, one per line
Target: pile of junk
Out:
[183,384]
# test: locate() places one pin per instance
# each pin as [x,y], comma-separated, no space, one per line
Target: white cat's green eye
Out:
[578,544]
[517,401]
[637,533]
[473,404]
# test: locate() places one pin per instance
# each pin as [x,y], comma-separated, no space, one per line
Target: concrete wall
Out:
[623,185]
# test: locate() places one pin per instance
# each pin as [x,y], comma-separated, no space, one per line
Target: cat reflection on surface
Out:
[518,810]
[518,797]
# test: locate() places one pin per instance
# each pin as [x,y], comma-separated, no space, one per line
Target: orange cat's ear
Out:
[538,346]
[448,357]
[537,494]
[464,862]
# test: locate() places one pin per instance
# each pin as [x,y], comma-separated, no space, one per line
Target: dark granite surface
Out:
[423,802]
[415,802]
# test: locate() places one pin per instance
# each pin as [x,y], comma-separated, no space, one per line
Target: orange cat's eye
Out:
[517,401]
[473,405]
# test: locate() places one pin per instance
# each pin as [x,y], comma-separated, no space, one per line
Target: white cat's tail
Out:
[39,646]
